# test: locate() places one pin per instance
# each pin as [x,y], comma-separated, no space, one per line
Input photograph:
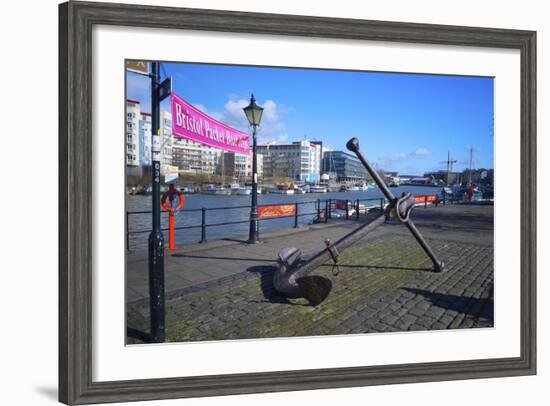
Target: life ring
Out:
[166,194]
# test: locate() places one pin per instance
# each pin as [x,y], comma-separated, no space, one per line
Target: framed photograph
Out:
[260,202]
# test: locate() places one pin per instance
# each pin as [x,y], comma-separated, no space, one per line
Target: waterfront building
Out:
[300,160]
[239,166]
[391,177]
[442,176]
[192,157]
[145,140]
[133,116]
[166,141]
[344,167]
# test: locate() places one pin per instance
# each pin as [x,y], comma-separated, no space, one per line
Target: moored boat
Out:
[318,189]
[280,189]
[215,190]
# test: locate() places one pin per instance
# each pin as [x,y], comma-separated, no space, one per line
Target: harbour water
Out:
[223,209]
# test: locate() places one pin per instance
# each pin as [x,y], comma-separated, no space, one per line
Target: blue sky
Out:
[404,122]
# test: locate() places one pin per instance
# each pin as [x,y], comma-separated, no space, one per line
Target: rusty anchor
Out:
[291,277]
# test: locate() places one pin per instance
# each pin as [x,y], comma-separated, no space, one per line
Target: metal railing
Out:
[324,210]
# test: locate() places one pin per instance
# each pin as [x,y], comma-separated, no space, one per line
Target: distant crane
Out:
[471,151]
[450,161]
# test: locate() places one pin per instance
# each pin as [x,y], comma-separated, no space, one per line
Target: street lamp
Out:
[253,113]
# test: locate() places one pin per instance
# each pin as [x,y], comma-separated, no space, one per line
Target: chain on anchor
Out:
[334,254]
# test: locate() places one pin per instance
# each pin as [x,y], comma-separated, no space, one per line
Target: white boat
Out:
[242,191]
[215,190]
[237,189]
[279,189]
[318,189]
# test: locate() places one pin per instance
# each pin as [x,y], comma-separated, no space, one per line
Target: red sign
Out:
[278,210]
[422,199]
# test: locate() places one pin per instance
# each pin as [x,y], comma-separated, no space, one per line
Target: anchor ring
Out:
[402,199]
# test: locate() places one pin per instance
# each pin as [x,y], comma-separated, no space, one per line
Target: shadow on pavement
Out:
[269,292]
[223,258]
[387,268]
[468,305]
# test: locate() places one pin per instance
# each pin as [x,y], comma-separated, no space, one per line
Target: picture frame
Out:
[76,21]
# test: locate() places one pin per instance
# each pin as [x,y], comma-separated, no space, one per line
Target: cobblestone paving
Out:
[384,285]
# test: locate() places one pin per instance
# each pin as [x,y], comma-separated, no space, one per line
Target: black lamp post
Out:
[253,113]
[156,239]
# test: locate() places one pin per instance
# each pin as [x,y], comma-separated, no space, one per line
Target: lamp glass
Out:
[253,112]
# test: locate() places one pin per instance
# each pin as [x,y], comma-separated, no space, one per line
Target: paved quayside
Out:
[223,289]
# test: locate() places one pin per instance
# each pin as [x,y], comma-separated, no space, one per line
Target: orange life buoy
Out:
[166,194]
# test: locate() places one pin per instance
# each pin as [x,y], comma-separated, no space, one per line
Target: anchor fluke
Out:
[314,288]
[293,284]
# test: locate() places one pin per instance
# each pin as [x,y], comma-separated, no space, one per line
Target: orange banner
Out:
[422,199]
[279,210]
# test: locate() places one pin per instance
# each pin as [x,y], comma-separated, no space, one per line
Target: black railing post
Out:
[326,211]
[330,208]
[203,225]
[318,209]
[426,202]
[127,232]
[296,215]
[347,210]
[357,209]
[381,204]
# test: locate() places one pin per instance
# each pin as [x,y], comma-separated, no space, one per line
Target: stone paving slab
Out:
[386,284]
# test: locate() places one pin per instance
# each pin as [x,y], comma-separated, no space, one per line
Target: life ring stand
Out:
[166,194]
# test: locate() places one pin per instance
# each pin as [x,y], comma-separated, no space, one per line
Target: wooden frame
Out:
[76,20]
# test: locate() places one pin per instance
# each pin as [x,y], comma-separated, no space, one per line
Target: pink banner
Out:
[188,122]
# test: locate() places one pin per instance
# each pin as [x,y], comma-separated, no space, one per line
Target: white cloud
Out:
[272,128]
[402,160]
[421,152]
[399,156]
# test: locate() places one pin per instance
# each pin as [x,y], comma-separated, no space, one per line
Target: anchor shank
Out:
[349,239]
[353,145]
[438,265]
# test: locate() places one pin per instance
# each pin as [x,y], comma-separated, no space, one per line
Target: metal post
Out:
[426,202]
[203,225]
[254,233]
[127,232]
[171,231]
[156,239]
[296,215]
[330,208]
[347,210]
[326,211]
[381,204]
[357,209]
[318,209]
